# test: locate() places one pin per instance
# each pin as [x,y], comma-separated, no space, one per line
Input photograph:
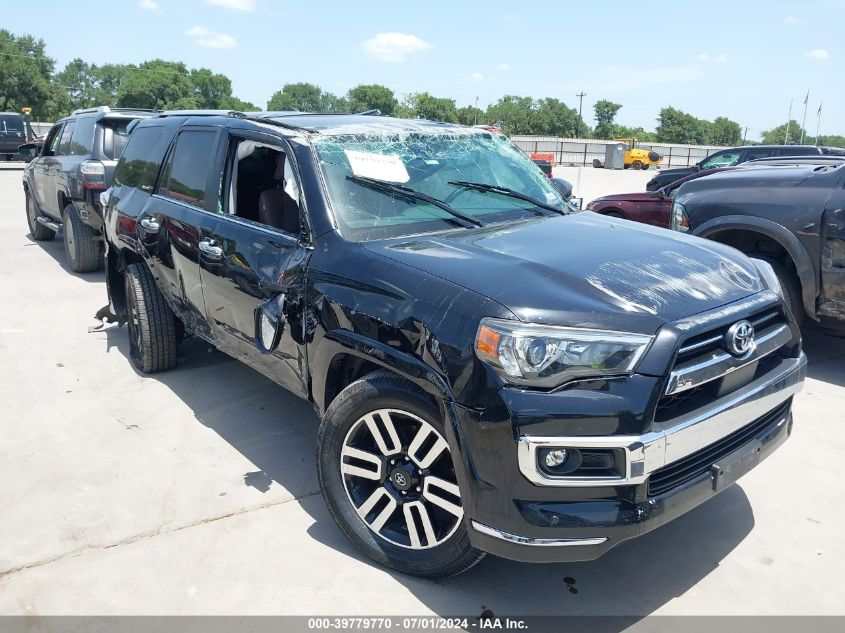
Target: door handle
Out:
[211,249]
[150,224]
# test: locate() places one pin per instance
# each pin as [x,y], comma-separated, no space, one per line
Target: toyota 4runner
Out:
[493,373]
[64,179]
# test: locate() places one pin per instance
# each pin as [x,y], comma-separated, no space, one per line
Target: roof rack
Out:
[106,109]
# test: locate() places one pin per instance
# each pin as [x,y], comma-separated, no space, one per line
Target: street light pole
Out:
[476,110]
[580,96]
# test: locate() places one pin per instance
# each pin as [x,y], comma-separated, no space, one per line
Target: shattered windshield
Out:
[432,163]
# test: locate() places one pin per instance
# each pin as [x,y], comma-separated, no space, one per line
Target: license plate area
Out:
[734,465]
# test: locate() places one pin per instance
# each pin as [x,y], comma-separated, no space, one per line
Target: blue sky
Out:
[744,59]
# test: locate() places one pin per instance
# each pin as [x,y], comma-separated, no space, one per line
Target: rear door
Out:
[53,170]
[244,264]
[171,224]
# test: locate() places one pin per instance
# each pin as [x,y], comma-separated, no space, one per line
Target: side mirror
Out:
[269,324]
[564,187]
[28,150]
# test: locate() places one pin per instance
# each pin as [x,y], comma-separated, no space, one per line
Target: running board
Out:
[49,223]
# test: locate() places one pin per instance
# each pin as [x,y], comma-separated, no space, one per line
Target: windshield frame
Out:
[516,211]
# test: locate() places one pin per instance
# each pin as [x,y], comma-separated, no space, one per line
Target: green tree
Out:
[157,84]
[777,135]
[723,131]
[622,131]
[300,97]
[552,117]
[830,141]
[605,113]
[470,115]
[433,108]
[210,89]
[675,126]
[515,114]
[25,74]
[78,81]
[372,97]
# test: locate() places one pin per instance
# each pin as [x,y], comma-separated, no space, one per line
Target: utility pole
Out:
[476,110]
[804,120]
[745,135]
[788,121]
[580,96]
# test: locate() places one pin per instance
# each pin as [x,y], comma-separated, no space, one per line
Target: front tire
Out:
[388,479]
[81,246]
[152,326]
[39,232]
[791,288]
[637,165]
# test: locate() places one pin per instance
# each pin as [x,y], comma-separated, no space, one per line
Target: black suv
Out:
[66,176]
[737,155]
[493,372]
[791,215]
[15,130]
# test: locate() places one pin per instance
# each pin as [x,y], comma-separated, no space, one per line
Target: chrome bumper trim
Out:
[536,542]
[697,372]
[676,439]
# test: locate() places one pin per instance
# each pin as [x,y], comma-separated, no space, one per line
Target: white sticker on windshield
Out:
[379,166]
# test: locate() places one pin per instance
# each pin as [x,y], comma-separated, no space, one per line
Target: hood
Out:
[678,171]
[765,176]
[645,196]
[584,270]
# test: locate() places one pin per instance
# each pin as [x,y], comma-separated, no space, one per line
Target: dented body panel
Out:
[791,213]
[412,304]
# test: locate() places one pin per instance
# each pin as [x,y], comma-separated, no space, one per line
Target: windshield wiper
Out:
[480,186]
[413,196]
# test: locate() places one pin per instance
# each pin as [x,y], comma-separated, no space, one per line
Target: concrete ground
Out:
[194,492]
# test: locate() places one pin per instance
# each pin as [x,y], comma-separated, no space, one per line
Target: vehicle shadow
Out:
[276,431]
[825,355]
[55,248]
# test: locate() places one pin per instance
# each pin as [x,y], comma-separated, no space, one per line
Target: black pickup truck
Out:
[493,372]
[791,215]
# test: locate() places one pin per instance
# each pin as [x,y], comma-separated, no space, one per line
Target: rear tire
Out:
[81,247]
[637,165]
[38,231]
[791,286]
[151,323]
[438,545]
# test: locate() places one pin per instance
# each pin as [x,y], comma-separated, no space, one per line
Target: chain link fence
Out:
[582,151]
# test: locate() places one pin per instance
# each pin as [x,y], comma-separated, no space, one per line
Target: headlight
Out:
[592,205]
[547,356]
[767,274]
[680,220]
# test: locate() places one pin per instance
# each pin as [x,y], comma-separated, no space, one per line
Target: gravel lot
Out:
[194,491]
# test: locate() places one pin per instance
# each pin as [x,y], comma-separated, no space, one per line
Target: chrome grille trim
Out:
[695,372]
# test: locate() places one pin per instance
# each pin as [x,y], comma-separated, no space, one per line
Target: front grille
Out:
[692,466]
[702,347]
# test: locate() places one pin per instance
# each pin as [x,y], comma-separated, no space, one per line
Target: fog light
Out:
[556,457]
[558,460]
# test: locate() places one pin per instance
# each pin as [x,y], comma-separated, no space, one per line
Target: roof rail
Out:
[277,123]
[373,112]
[107,109]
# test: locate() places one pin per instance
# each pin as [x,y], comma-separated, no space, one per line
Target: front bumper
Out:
[542,519]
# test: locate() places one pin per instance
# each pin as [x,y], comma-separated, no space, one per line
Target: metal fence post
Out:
[584,162]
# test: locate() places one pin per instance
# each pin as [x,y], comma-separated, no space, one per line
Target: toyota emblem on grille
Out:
[739,338]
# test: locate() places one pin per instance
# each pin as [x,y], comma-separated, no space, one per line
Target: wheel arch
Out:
[762,236]
[116,261]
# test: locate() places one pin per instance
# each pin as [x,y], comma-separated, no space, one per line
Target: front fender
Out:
[776,232]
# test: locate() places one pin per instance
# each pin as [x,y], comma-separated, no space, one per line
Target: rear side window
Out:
[754,154]
[115,137]
[186,173]
[64,143]
[138,166]
[82,139]
[11,123]
[797,151]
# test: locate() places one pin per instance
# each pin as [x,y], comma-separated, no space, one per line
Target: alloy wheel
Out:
[399,476]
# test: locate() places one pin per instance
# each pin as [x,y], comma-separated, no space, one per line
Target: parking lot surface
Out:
[194,491]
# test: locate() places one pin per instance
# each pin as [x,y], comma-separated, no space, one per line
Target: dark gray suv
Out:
[63,181]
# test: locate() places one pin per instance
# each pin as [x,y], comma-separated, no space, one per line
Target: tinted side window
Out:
[11,123]
[138,166]
[64,143]
[797,151]
[51,145]
[82,139]
[115,136]
[758,153]
[187,169]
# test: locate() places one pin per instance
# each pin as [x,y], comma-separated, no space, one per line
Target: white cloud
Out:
[718,58]
[237,5]
[477,76]
[149,5]
[503,67]
[817,53]
[791,20]
[210,39]
[394,47]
